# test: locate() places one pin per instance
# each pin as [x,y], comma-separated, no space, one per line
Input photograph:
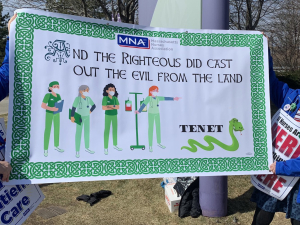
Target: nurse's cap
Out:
[53,83]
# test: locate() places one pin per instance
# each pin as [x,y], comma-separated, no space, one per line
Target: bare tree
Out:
[248,14]
[125,8]
[102,9]
[284,32]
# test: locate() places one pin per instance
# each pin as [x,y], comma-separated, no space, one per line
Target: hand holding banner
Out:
[286,145]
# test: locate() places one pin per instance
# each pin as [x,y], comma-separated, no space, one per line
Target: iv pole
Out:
[137,146]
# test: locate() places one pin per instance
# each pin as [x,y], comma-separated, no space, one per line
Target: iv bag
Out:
[145,109]
[128,105]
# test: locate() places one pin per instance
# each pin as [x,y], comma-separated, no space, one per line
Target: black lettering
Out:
[210,128]
[183,128]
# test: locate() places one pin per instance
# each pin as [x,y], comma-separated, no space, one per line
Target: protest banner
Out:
[17,202]
[98,100]
[286,145]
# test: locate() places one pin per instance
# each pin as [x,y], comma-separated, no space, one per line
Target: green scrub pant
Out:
[55,119]
[151,119]
[86,124]
[111,119]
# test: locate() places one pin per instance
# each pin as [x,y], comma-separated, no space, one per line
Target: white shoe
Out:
[77,155]
[59,149]
[161,146]
[150,149]
[117,148]
[106,151]
[89,151]
[45,153]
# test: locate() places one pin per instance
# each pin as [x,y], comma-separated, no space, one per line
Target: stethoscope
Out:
[151,102]
[291,107]
[80,103]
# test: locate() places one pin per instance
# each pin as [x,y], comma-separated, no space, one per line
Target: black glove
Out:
[84,198]
[101,194]
[94,197]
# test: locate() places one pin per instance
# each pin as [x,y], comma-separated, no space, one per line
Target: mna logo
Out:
[133,41]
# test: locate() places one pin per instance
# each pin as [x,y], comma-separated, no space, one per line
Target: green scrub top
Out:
[153,104]
[83,105]
[50,100]
[107,101]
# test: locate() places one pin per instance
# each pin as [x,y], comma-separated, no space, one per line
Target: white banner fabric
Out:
[94,100]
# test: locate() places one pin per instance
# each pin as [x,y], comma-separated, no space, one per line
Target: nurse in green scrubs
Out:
[49,105]
[153,114]
[84,106]
[110,104]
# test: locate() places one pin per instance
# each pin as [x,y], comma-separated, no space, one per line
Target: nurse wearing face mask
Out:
[153,114]
[49,104]
[110,104]
[84,106]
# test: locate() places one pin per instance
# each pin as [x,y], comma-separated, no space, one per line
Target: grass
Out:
[139,202]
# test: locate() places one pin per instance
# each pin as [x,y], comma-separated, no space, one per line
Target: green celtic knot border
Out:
[21,124]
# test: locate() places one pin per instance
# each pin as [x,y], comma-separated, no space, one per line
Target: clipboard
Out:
[59,105]
[77,117]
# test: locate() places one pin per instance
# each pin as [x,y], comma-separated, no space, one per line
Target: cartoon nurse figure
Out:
[84,106]
[153,114]
[110,104]
[51,104]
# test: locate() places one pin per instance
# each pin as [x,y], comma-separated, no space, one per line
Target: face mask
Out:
[85,93]
[112,93]
[56,90]
[154,93]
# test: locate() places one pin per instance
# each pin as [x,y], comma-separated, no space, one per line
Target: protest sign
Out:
[286,145]
[94,100]
[19,201]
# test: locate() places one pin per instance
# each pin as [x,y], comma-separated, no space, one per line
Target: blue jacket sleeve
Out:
[278,89]
[290,167]
[4,73]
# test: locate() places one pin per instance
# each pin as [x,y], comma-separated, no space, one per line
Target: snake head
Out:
[237,126]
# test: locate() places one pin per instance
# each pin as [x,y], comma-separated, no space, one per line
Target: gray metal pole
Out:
[215,14]
[147,8]
[213,191]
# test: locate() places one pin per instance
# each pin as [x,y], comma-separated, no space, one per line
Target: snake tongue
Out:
[241,132]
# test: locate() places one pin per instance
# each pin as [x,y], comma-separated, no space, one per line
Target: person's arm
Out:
[73,111]
[4,74]
[44,104]
[146,101]
[5,169]
[74,106]
[278,89]
[92,104]
[165,98]
[104,104]
[4,69]
[115,106]
[290,167]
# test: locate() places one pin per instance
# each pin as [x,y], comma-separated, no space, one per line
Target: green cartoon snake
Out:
[234,125]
